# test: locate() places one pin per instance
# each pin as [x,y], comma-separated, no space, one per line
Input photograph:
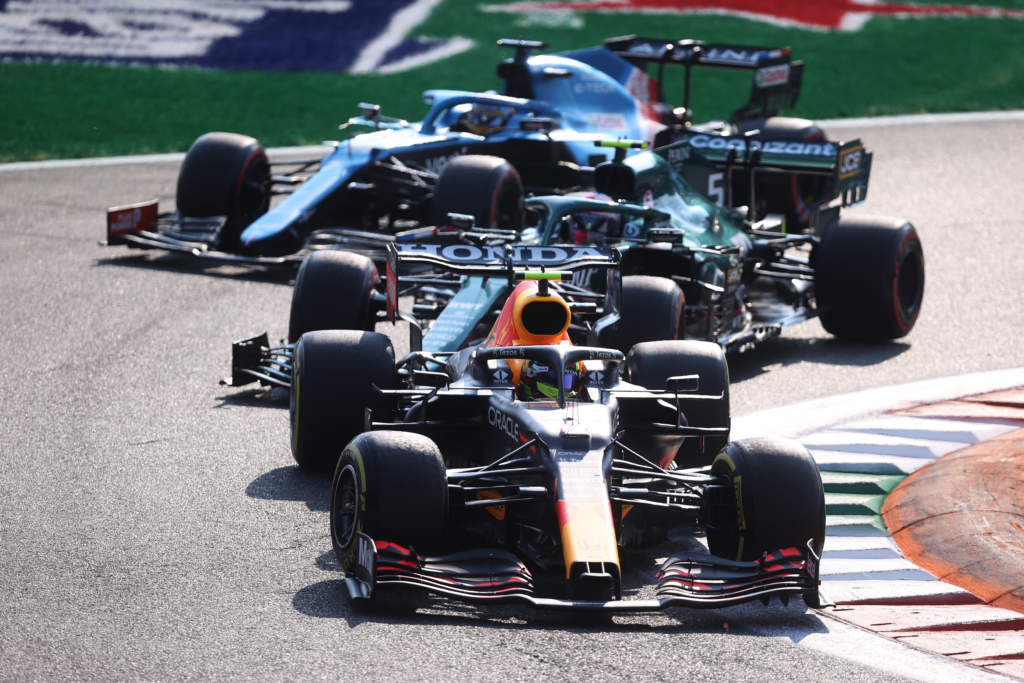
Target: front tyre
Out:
[332,374]
[391,486]
[775,500]
[488,188]
[869,278]
[225,174]
[334,290]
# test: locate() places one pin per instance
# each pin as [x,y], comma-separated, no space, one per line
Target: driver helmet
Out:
[482,119]
[538,381]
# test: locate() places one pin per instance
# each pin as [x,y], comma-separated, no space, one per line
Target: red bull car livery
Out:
[449,478]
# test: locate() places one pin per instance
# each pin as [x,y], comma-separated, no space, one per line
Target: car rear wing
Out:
[846,165]
[776,77]
[499,259]
[542,263]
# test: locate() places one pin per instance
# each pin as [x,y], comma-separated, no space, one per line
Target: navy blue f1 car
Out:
[516,469]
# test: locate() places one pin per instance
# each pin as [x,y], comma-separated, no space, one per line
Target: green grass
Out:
[891,66]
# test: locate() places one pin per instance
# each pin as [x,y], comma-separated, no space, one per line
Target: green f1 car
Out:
[745,277]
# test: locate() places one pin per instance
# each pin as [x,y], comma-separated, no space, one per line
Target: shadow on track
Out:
[293,484]
[828,351]
[175,263]
[254,397]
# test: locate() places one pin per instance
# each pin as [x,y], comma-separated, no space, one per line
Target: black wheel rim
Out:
[345,509]
[254,192]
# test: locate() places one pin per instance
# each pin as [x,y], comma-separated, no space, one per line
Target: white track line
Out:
[176,157]
[809,416]
[924,119]
[875,122]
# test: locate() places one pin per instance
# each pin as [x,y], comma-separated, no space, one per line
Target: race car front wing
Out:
[687,579]
[143,226]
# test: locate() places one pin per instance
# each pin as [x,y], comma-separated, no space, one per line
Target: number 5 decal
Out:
[716,189]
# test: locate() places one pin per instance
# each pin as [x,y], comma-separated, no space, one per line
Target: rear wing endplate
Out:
[776,78]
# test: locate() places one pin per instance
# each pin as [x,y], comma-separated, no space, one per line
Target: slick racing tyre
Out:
[225,174]
[869,278]
[774,499]
[332,374]
[486,187]
[651,310]
[791,195]
[391,486]
[650,364]
[334,290]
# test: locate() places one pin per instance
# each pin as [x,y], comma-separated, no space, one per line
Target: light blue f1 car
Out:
[538,135]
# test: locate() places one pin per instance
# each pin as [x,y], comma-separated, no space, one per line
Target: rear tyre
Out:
[791,195]
[650,364]
[869,278]
[225,174]
[777,502]
[488,188]
[391,486]
[331,388]
[333,291]
[651,309]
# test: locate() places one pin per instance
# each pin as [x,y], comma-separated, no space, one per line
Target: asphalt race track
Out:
[152,525]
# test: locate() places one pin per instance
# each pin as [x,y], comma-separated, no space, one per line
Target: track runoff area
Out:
[924,499]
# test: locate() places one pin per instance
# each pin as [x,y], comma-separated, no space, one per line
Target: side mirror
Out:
[682,384]
[671,235]
[371,112]
[540,124]
[427,378]
[461,221]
